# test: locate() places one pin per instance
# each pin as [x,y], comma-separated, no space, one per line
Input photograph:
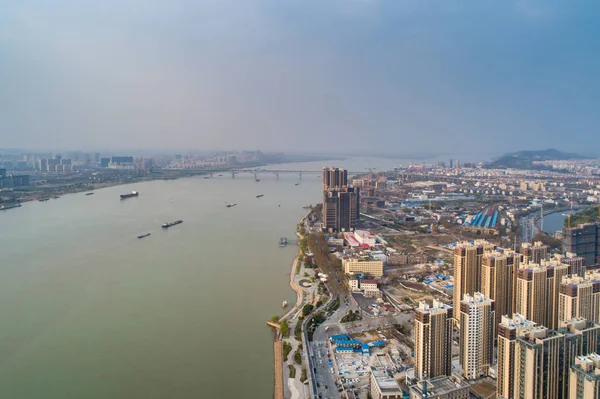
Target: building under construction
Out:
[584,241]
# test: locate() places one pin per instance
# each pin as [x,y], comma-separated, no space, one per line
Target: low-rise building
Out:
[452,387]
[363,264]
[365,237]
[383,386]
[366,287]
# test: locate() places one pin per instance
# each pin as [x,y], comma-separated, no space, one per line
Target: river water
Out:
[554,221]
[89,311]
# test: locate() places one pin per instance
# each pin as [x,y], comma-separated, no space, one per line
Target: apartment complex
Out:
[341,203]
[498,280]
[467,269]
[362,264]
[534,361]
[584,377]
[583,240]
[477,327]
[433,340]
[580,297]
[538,286]
[534,253]
[576,264]
[509,330]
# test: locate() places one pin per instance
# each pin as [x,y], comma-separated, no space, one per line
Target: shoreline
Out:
[278,360]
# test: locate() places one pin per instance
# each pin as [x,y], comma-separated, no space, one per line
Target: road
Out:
[326,382]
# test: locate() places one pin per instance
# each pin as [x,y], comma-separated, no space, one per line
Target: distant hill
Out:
[524,159]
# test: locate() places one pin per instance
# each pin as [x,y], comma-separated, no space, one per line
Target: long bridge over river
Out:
[276,172]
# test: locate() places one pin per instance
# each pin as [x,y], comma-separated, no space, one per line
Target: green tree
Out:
[284,329]
[307,309]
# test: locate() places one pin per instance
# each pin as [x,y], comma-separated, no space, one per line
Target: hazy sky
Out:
[391,75]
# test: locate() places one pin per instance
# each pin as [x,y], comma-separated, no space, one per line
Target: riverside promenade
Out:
[279,392]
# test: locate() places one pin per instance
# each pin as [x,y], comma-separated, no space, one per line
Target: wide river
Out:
[90,311]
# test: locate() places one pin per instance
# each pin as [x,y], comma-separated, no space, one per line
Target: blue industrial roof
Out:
[342,349]
[348,342]
[339,336]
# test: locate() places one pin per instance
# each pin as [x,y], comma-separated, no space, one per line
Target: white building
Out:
[365,237]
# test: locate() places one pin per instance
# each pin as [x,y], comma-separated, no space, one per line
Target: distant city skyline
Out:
[481,78]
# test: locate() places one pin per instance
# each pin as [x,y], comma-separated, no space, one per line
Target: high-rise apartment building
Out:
[584,377]
[542,359]
[433,340]
[467,270]
[477,327]
[583,334]
[341,203]
[538,357]
[509,330]
[334,178]
[583,240]
[537,292]
[576,264]
[535,253]
[498,280]
[580,297]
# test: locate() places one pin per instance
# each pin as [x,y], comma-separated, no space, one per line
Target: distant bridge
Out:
[276,172]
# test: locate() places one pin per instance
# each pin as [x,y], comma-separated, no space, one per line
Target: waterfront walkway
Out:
[278,349]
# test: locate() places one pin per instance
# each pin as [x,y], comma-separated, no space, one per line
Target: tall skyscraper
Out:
[334,178]
[477,328]
[341,203]
[467,270]
[535,253]
[433,340]
[498,280]
[580,297]
[537,292]
[583,240]
[509,330]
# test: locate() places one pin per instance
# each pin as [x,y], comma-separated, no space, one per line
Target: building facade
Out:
[584,377]
[583,241]
[498,280]
[433,340]
[363,265]
[467,270]
[477,333]
[579,297]
[537,292]
[509,330]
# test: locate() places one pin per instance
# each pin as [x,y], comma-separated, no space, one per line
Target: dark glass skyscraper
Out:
[341,204]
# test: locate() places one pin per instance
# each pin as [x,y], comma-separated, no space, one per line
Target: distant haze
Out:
[464,77]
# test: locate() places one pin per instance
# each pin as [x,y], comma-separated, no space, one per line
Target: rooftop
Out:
[385,382]
[440,386]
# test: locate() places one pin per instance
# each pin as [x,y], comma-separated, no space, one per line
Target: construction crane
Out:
[568,215]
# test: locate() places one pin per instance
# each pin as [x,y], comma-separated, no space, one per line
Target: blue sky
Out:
[456,77]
